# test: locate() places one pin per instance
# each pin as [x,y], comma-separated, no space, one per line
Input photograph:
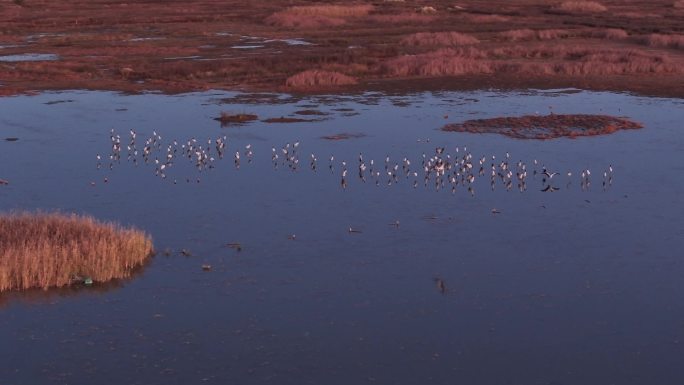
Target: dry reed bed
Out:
[103,52]
[529,34]
[664,41]
[555,34]
[43,250]
[406,18]
[317,16]
[580,7]
[486,19]
[319,78]
[439,39]
[539,60]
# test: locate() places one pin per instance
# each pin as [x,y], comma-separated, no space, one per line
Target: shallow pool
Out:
[581,285]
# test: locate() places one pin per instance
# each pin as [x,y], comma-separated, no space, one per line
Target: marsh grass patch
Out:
[43,250]
[226,118]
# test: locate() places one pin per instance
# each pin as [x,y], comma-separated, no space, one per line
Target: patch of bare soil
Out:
[546,126]
[297,46]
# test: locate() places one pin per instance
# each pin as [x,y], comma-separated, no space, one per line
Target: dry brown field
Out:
[178,46]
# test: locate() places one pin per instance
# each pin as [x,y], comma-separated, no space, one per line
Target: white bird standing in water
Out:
[439,170]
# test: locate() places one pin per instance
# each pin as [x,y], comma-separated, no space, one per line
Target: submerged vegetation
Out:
[227,117]
[43,250]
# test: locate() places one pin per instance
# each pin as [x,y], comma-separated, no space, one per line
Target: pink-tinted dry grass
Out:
[610,33]
[303,22]
[330,10]
[678,4]
[529,34]
[581,7]
[553,34]
[439,39]
[665,41]
[39,250]
[545,60]
[485,19]
[637,15]
[317,16]
[402,18]
[319,78]
[444,62]
[518,34]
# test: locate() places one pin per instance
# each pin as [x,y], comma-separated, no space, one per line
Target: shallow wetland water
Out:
[575,286]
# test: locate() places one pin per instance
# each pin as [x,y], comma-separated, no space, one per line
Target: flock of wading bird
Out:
[442,170]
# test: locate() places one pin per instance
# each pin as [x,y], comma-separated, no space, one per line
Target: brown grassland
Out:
[43,250]
[581,7]
[177,46]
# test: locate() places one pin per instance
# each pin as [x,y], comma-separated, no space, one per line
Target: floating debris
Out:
[58,102]
[343,136]
[311,112]
[284,119]
[206,267]
[441,286]
[82,279]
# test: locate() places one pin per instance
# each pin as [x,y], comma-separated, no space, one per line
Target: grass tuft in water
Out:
[43,250]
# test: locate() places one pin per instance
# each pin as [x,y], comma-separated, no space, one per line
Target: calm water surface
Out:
[570,287]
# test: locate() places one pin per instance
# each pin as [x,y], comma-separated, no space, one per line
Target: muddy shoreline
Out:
[283,46]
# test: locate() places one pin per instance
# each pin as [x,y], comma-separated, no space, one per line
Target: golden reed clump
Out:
[319,78]
[581,6]
[439,39]
[43,250]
